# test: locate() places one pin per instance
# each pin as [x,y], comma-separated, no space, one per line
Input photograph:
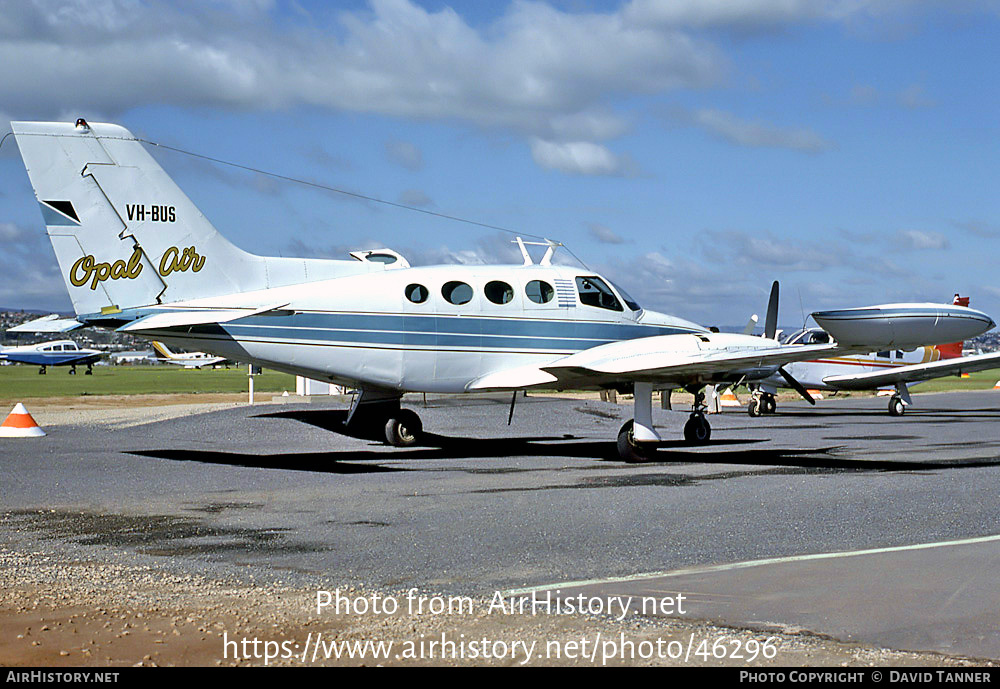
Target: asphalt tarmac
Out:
[278,491]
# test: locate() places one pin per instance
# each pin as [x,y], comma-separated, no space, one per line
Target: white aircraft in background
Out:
[55,353]
[891,368]
[137,255]
[186,359]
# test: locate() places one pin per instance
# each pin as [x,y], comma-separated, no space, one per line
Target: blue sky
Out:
[691,150]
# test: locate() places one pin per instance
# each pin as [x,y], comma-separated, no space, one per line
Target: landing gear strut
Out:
[697,429]
[761,403]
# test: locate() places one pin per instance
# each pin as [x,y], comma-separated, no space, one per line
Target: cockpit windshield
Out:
[629,301]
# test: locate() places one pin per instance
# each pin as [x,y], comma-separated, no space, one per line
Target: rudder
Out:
[124,233]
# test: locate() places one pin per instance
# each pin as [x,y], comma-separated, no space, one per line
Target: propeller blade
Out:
[796,385]
[771,323]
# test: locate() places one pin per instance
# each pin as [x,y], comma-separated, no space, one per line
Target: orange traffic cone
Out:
[19,424]
[729,399]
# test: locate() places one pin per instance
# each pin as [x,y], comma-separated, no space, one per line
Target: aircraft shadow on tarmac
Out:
[437,447]
[963,415]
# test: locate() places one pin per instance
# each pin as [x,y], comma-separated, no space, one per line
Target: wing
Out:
[702,358]
[915,372]
[677,360]
[47,324]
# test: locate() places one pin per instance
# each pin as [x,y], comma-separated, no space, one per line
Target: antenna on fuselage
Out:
[549,251]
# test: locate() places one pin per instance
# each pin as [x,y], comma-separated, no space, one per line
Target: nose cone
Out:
[903,325]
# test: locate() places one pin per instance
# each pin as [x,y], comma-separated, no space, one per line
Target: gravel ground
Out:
[55,612]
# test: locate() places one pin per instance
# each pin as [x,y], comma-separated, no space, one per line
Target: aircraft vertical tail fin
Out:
[161,351]
[954,349]
[124,233]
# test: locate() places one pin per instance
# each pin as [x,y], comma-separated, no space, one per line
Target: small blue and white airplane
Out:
[55,353]
[138,256]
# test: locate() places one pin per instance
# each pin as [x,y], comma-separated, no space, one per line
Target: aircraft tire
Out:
[754,407]
[629,450]
[697,430]
[896,406]
[769,404]
[403,429]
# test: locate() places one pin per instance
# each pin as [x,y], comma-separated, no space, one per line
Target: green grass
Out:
[980,380]
[23,381]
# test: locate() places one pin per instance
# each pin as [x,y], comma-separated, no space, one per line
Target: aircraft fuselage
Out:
[402,329]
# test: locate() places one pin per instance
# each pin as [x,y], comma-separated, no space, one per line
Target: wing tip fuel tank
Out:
[903,325]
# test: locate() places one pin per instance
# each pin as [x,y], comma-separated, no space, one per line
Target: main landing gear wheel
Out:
[403,429]
[696,430]
[769,403]
[761,403]
[896,406]
[628,449]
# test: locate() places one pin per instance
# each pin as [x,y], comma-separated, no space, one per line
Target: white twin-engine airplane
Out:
[890,368]
[137,255]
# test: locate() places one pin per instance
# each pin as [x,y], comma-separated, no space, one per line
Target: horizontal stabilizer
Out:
[47,324]
[181,319]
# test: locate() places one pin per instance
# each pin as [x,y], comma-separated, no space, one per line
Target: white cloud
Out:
[728,13]
[537,70]
[404,153]
[580,158]
[757,134]
[31,278]
[604,234]
[917,239]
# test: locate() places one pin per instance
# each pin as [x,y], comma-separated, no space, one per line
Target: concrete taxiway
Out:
[896,516]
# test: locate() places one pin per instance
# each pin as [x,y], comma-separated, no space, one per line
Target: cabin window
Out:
[595,292]
[417,293]
[539,291]
[499,292]
[456,292]
[882,355]
[382,258]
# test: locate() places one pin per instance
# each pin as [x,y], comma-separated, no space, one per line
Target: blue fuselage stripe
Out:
[440,331]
